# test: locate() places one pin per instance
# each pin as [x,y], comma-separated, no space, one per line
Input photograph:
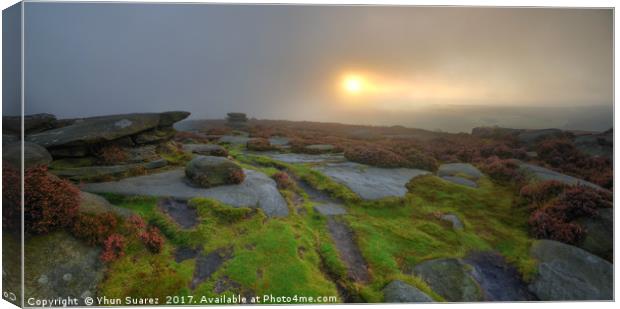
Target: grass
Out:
[295,255]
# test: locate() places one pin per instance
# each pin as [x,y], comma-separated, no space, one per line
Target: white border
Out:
[510,3]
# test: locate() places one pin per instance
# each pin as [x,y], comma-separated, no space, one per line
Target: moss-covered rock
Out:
[210,171]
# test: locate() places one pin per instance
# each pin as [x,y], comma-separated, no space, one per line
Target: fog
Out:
[455,68]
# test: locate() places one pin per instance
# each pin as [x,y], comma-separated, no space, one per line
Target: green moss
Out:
[62,164]
[227,214]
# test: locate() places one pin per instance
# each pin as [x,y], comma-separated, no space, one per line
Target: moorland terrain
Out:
[152,205]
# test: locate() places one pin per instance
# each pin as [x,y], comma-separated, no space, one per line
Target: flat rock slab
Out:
[454,169]
[180,212]
[350,254]
[460,181]
[566,272]
[235,139]
[304,158]
[208,264]
[371,183]
[498,280]
[544,174]
[256,191]
[330,209]
[400,292]
[104,128]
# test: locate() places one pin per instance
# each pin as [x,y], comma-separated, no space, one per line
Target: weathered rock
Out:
[369,182]
[144,153]
[305,158]
[279,141]
[154,136]
[155,164]
[95,204]
[256,191]
[543,174]
[401,292]
[450,279]
[208,264]
[460,181]
[532,136]
[350,254]
[100,172]
[211,171]
[102,129]
[33,155]
[600,144]
[32,123]
[566,272]
[234,139]
[60,266]
[167,119]
[599,239]
[206,149]
[330,209]
[498,280]
[456,169]
[179,211]
[456,222]
[69,152]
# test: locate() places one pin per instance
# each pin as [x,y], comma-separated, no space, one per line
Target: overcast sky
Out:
[289,62]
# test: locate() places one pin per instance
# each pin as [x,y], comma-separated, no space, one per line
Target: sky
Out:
[448,68]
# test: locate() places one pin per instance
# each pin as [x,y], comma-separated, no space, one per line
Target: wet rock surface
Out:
[330,209]
[185,253]
[208,264]
[350,254]
[566,272]
[256,191]
[371,183]
[179,211]
[498,280]
[400,292]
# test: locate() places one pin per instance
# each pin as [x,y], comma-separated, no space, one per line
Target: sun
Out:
[353,84]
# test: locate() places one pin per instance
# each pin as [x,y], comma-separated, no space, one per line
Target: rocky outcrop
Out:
[456,169]
[210,171]
[32,123]
[479,276]
[141,128]
[206,149]
[566,272]
[33,155]
[369,182]
[400,292]
[450,279]
[102,173]
[237,120]
[599,239]
[256,191]
[61,266]
[544,174]
[95,204]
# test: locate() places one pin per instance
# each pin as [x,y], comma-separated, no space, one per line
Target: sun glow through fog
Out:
[406,92]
